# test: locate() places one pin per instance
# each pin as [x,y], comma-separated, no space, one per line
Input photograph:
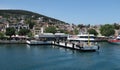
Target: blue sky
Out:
[71,11]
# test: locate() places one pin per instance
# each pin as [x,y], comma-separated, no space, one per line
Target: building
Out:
[3,24]
[19,26]
[3,20]
[37,29]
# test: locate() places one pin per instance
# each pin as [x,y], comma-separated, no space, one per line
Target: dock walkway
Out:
[67,45]
[75,47]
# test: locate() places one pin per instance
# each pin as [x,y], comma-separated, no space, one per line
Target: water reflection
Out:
[28,46]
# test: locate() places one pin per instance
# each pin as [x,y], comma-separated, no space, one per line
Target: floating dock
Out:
[76,47]
[66,45]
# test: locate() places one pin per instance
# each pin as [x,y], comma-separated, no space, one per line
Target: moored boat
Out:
[85,42]
[88,46]
[81,37]
[38,42]
[115,40]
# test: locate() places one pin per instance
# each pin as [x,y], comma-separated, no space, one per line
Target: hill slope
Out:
[16,13]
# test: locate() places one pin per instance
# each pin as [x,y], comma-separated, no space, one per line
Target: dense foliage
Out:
[107,30]
[10,31]
[93,31]
[81,26]
[116,26]
[30,34]
[24,32]
[76,31]
[19,12]
[31,24]
[50,29]
[1,34]
[28,14]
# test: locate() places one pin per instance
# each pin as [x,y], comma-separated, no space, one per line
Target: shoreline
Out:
[24,41]
[13,42]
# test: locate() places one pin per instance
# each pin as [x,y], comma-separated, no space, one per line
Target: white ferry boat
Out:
[81,37]
[85,42]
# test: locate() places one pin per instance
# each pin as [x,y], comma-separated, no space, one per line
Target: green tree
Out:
[81,26]
[66,32]
[76,31]
[116,26]
[1,34]
[31,24]
[107,30]
[93,31]
[30,34]
[61,31]
[88,25]
[10,31]
[50,29]
[23,32]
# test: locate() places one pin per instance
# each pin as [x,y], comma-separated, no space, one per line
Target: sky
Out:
[92,12]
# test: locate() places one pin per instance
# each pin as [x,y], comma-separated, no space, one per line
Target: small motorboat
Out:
[115,40]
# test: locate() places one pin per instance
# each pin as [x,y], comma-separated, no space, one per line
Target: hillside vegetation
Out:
[26,14]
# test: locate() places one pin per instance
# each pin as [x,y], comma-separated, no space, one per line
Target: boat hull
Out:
[34,42]
[114,41]
[86,47]
[90,48]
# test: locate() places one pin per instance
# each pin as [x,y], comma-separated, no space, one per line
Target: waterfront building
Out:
[61,36]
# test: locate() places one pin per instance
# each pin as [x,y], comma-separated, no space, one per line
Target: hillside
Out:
[28,14]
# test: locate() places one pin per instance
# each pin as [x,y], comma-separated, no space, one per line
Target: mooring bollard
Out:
[65,44]
[54,42]
[73,45]
[58,42]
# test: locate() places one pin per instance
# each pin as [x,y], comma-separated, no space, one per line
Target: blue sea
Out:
[50,57]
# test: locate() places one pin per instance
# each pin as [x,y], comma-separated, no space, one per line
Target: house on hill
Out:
[19,26]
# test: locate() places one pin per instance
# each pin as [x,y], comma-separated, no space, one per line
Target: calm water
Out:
[24,57]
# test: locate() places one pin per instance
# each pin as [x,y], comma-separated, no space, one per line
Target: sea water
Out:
[50,57]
